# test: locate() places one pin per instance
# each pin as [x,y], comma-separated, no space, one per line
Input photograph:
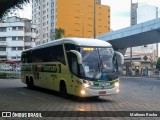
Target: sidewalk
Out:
[152,76]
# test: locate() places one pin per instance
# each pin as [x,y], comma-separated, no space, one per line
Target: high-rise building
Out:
[142,12]
[16,35]
[134,13]
[76,17]
[141,58]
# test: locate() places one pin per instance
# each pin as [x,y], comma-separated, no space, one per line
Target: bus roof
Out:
[76,41]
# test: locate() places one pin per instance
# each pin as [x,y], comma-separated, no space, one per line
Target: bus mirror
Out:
[120,58]
[79,56]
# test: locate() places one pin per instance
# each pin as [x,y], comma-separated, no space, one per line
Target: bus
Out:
[82,67]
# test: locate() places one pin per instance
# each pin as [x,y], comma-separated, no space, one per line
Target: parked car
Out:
[18,69]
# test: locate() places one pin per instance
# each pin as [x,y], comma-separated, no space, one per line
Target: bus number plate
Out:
[102,92]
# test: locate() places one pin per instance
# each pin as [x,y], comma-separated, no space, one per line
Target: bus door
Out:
[73,67]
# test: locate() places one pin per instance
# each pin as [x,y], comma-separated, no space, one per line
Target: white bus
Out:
[78,66]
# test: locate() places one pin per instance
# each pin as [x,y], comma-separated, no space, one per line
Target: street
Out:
[136,94]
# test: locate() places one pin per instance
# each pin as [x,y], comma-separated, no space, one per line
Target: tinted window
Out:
[49,54]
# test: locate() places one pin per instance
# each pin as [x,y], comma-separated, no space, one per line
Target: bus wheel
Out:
[63,89]
[30,83]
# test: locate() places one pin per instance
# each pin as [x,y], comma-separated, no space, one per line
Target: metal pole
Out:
[131,47]
[156,18]
[94,18]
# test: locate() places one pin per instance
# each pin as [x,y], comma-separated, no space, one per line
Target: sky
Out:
[120,11]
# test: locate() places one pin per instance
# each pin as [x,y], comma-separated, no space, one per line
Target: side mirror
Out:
[120,57]
[79,56]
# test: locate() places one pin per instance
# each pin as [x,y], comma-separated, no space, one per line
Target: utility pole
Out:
[156,18]
[131,47]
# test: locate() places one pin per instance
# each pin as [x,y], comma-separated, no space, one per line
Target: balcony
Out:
[3,43]
[3,53]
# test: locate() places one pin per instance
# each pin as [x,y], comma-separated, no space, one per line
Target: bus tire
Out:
[29,82]
[63,89]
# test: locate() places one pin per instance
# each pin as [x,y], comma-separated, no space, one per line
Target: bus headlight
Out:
[86,85]
[116,84]
[83,92]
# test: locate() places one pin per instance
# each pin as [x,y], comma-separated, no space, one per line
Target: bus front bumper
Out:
[87,92]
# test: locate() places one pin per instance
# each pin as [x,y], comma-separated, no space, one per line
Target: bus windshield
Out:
[98,63]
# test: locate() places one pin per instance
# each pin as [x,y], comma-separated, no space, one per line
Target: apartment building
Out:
[16,35]
[76,17]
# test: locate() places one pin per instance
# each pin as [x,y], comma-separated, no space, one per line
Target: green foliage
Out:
[6,5]
[57,33]
[158,63]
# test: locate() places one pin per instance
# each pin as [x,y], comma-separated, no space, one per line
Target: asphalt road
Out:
[136,94]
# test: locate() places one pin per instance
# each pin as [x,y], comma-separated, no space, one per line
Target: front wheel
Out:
[63,90]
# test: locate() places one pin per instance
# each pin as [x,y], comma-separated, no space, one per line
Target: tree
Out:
[158,64]
[57,33]
[6,5]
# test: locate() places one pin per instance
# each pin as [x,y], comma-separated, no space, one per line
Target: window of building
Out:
[13,38]
[13,48]
[52,17]
[13,57]
[44,23]
[2,29]
[2,38]
[44,12]
[33,39]
[36,9]
[44,17]
[20,48]
[44,35]
[52,11]
[33,30]
[52,4]
[44,6]
[20,38]
[27,47]
[44,29]
[52,24]
[20,28]
[36,4]
[13,28]
[2,48]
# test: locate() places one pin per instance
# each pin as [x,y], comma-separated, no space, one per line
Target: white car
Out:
[18,69]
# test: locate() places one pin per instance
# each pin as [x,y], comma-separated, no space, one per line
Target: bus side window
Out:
[73,65]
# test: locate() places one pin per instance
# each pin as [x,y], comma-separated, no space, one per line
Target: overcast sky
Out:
[120,11]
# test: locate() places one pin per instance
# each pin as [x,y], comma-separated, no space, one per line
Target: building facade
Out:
[143,57]
[76,17]
[16,35]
